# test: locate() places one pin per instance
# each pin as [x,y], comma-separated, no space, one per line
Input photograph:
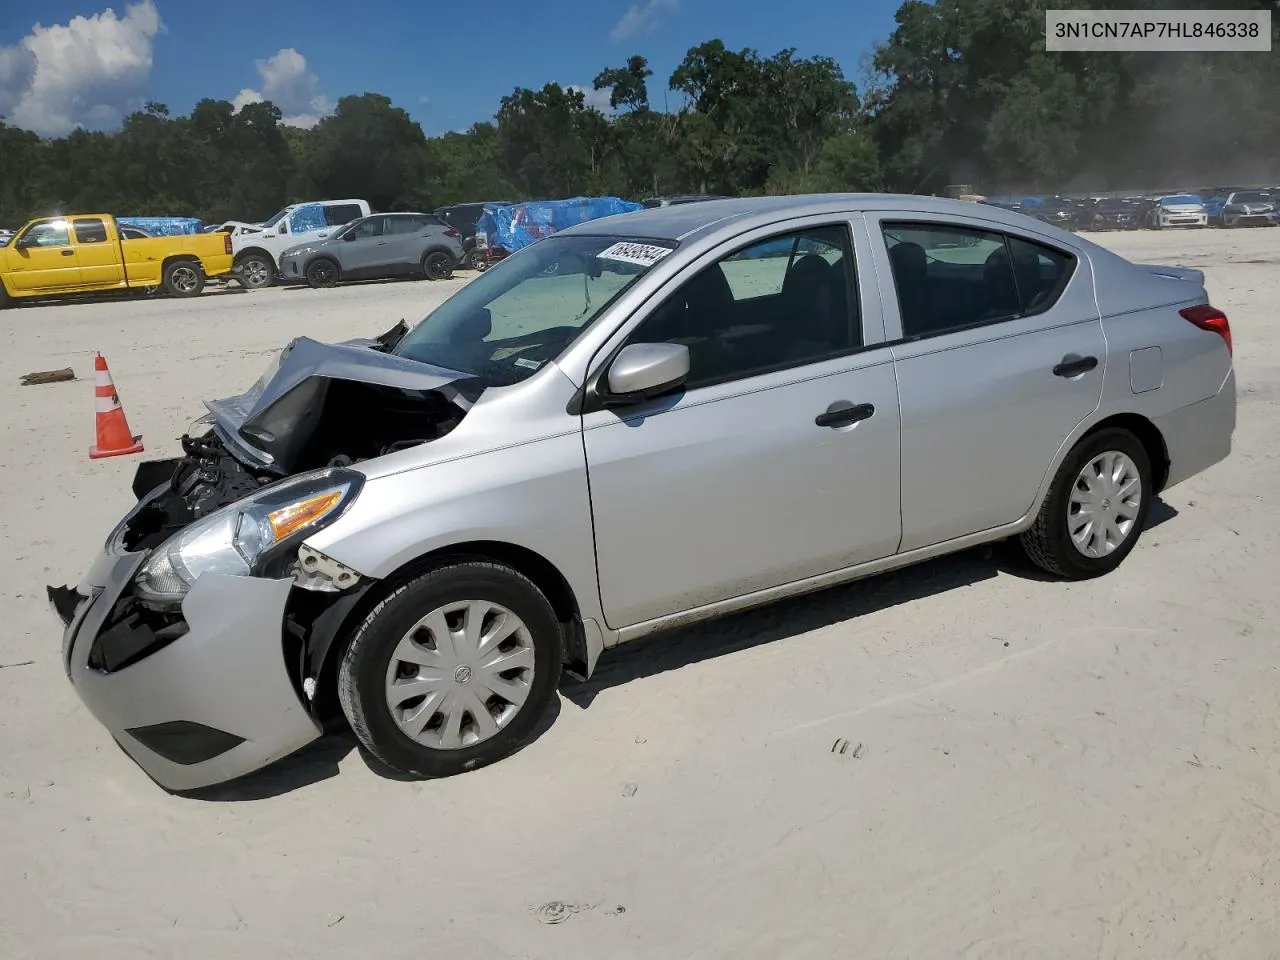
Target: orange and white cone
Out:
[114,436]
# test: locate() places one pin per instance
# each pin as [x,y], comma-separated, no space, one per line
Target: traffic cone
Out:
[114,437]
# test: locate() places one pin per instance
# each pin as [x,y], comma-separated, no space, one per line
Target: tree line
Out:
[962,91]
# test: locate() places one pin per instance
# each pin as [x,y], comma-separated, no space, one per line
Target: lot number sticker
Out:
[645,254]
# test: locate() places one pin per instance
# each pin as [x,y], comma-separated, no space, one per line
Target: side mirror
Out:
[282,229]
[24,242]
[646,370]
[348,236]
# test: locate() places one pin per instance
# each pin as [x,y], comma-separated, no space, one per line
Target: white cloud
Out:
[424,99]
[87,72]
[599,99]
[288,84]
[641,19]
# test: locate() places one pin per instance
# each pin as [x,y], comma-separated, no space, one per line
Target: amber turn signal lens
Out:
[288,520]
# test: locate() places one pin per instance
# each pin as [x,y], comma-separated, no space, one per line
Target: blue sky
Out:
[448,65]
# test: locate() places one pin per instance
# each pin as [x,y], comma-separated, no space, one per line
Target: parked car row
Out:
[1225,207]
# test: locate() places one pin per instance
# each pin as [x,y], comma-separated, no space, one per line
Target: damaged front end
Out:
[214,551]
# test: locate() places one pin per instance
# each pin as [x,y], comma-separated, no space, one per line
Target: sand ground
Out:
[1033,770]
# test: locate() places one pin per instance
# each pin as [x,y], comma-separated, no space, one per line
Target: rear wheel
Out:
[183,278]
[453,670]
[256,271]
[322,272]
[1096,507]
[437,266]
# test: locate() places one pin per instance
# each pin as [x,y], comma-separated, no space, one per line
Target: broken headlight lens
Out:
[240,539]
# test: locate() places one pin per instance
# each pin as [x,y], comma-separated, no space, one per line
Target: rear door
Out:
[402,250]
[43,257]
[99,258]
[779,460]
[999,354]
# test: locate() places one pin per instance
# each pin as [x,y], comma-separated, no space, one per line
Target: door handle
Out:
[842,413]
[68,253]
[1073,365]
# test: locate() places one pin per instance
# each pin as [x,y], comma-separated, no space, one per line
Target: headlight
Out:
[242,539]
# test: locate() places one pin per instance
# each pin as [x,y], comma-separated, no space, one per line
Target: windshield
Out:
[277,218]
[1251,196]
[1114,205]
[1181,198]
[527,309]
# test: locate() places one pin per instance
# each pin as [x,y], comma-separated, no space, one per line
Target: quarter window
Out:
[90,230]
[778,303]
[951,277]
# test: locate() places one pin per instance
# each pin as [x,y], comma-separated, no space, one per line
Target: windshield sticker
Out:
[645,254]
[526,362]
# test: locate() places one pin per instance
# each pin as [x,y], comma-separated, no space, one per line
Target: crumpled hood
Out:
[271,421]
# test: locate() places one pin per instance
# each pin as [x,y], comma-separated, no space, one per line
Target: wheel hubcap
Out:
[255,271]
[184,278]
[1104,504]
[460,674]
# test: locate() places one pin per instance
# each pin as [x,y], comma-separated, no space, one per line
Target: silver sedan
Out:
[380,246]
[638,422]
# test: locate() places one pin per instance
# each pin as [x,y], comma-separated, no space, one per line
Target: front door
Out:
[42,258]
[757,474]
[100,261]
[1000,356]
[365,247]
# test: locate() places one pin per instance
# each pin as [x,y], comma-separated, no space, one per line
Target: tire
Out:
[322,272]
[256,271]
[183,278]
[439,749]
[480,265]
[4,298]
[437,265]
[1048,542]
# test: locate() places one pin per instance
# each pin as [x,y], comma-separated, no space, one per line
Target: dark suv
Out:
[462,217]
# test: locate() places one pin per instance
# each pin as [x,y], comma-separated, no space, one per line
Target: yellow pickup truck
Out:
[86,253]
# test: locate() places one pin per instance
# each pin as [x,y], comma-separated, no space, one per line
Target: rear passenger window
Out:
[339,214]
[951,277]
[90,230]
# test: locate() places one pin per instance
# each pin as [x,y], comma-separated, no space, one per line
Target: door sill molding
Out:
[795,588]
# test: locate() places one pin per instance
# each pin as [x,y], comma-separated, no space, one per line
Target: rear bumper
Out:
[1199,435]
[210,706]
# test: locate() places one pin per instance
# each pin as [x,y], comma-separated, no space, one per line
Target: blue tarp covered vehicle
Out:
[163,226]
[505,228]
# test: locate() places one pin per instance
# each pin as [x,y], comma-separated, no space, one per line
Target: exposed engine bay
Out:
[318,405]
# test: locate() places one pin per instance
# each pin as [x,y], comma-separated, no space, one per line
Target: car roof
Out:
[685,221]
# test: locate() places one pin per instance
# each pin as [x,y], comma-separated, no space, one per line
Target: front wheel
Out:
[322,273]
[437,266]
[257,271]
[183,278]
[1096,507]
[453,670]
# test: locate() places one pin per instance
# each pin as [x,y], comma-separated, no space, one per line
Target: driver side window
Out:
[786,301]
[369,229]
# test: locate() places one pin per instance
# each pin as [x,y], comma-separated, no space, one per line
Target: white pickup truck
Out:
[257,246]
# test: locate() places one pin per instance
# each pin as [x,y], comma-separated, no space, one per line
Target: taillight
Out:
[226,243]
[451,232]
[1209,318]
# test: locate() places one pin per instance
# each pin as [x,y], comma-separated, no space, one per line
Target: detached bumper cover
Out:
[211,705]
